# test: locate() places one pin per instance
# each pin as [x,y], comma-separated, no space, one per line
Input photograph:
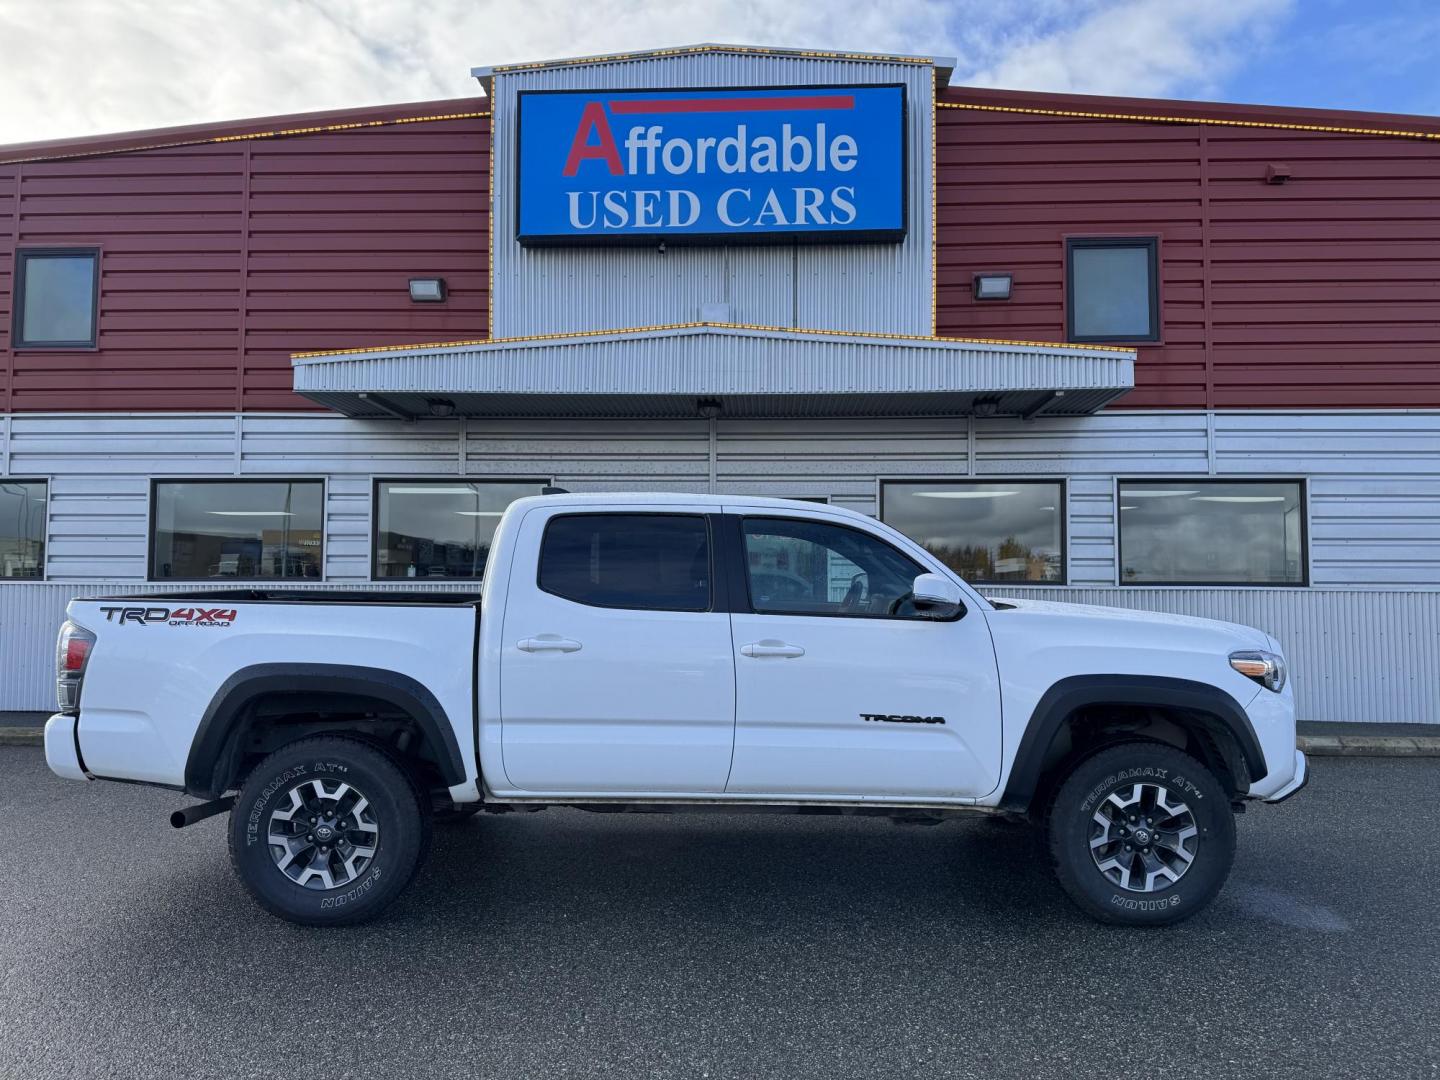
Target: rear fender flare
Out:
[224,715]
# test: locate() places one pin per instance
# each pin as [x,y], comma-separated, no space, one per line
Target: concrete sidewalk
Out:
[1318,737]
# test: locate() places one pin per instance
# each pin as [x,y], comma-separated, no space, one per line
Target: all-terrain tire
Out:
[328,884]
[1121,854]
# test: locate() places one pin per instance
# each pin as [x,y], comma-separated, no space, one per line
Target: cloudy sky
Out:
[75,67]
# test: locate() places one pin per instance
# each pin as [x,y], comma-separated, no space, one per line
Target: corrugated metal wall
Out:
[1356,655]
[1364,639]
[876,287]
[1320,292]
[220,259]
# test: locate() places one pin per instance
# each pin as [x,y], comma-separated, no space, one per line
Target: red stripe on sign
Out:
[684,105]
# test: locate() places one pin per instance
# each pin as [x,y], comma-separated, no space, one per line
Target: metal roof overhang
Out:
[667,372]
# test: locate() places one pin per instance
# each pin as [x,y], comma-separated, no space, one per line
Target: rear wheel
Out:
[328,831]
[1141,834]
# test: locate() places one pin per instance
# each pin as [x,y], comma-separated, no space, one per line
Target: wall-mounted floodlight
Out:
[992,286]
[427,290]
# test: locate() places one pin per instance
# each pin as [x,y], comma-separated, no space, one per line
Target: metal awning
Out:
[669,372]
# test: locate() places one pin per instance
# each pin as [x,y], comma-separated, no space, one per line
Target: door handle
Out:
[770,647]
[548,643]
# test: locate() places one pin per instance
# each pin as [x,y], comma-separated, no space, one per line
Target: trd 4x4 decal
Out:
[187,616]
[898,718]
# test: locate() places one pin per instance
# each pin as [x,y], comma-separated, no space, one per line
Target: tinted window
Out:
[1229,532]
[801,567]
[254,529]
[1113,291]
[985,532]
[22,528]
[56,301]
[439,529]
[658,562]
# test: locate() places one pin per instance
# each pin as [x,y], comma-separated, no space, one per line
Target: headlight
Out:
[1266,668]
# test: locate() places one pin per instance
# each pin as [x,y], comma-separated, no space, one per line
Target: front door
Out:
[842,687]
[616,672]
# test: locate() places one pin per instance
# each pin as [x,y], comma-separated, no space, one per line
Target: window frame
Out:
[376,481]
[1063,510]
[716,602]
[1304,488]
[152,508]
[745,602]
[1149,241]
[45,541]
[18,342]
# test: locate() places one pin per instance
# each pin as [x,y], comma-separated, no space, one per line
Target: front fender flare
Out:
[226,709]
[1068,695]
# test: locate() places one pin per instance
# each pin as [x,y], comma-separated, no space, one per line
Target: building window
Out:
[802,567]
[22,529]
[56,297]
[442,528]
[1212,532]
[650,562]
[256,530]
[987,532]
[1112,289]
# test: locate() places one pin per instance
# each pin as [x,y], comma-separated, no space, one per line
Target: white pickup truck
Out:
[666,652]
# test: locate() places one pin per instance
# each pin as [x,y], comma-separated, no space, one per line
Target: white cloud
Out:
[1139,48]
[76,67]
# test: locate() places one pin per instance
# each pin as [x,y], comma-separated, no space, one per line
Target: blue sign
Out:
[712,166]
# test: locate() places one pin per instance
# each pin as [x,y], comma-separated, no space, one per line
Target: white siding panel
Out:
[592,455]
[1374,519]
[1355,655]
[1092,530]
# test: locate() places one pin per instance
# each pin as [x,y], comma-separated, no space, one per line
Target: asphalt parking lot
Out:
[564,944]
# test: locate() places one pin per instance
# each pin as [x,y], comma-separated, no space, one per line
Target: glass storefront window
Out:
[986,531]
[440,528]
[1212,532]
[237,529]
[22,529]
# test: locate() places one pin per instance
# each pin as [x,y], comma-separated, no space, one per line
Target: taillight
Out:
[72,653]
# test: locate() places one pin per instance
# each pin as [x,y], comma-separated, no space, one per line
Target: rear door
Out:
[842,687]
[616,671]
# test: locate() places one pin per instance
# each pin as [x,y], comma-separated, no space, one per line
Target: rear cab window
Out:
[651,562]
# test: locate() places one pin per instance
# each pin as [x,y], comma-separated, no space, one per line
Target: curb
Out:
[1314,745]
[1370,745]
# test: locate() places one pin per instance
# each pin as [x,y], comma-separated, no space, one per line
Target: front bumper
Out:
[62,749]
[1300,778]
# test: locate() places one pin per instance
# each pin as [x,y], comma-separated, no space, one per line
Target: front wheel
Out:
[327,831]
[1141,834]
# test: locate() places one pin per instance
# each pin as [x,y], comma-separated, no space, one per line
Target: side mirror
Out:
[936,597]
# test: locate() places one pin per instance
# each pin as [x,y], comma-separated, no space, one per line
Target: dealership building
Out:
[1156,354]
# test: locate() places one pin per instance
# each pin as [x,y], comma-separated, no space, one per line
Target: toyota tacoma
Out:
[666,652]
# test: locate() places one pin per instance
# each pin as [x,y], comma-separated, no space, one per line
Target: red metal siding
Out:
[220,259]
[1322,292]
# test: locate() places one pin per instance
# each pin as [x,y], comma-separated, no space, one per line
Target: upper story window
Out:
[649,562]
[22,529]
[440,528]
[1212,532]
[802,567]
[1112,289]
[245,529]
[56,298]
[987,531]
